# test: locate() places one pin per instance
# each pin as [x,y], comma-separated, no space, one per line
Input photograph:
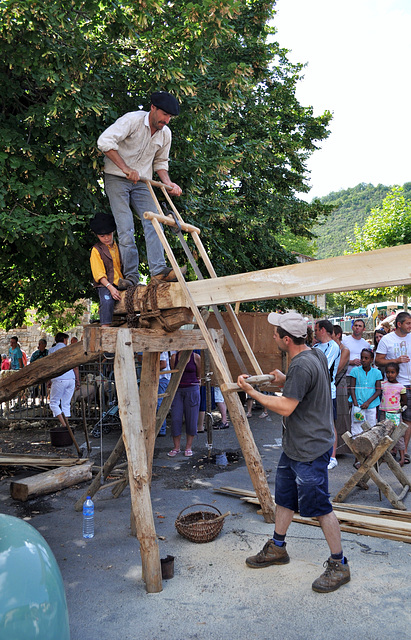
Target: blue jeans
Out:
[162,388]
[125,196]
[106,306]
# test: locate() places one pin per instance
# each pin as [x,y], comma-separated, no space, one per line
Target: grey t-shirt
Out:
[309,430]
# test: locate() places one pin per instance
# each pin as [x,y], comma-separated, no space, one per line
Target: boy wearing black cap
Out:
[105,265]
[137,144]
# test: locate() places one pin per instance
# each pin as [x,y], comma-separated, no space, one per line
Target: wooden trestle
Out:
[140,424]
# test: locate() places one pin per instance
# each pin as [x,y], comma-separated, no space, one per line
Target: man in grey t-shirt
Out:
[308,437]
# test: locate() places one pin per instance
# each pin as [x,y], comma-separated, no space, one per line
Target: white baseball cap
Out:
[291,322]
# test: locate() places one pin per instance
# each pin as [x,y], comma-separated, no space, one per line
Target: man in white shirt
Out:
[355,343]
[323,331]
[396,347]
[137,144]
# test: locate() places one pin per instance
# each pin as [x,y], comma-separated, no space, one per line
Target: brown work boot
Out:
[270,554]
[336,573]
[124,284]
[168,274]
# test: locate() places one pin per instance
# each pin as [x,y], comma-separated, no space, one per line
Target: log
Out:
[133,436]
[53,365]
[172,319]
[166,297]
[98,339]
[50,481]
[365,443]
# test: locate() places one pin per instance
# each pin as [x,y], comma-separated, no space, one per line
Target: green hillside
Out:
[353,207]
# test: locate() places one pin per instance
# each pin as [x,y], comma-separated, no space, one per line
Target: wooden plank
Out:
[35,460]
[133,436]
[366,270]
[53,365]
[343,273]
[104,339]
[392,514]
[55,480]
[364,532]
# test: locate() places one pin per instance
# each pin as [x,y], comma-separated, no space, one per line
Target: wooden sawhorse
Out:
[367,470]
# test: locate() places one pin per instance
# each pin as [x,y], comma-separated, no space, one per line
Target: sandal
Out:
[224,425]
[173,453]
[264,414]
[249,415]
[188,453]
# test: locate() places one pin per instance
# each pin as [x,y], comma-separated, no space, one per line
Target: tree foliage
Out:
[388,225]
[351,206]
[69,68]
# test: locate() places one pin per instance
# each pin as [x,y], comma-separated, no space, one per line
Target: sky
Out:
[359,68]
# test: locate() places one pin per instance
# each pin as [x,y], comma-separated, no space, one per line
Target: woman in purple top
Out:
[186,403]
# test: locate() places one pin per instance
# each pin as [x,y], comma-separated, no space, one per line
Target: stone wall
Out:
[29,338]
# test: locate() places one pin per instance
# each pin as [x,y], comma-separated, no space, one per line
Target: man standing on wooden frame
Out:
[308,435]
[134,146]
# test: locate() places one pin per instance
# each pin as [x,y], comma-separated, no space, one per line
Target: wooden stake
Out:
[134,441]
[150,373]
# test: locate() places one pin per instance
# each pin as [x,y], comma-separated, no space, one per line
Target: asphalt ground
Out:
[213,594]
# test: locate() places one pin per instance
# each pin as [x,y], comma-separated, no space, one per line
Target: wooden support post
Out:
[54,365]
[150,373]
[107,467]
[245,438]
[133,436]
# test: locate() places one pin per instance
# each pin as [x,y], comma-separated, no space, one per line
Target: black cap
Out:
[166,102]
[102,223]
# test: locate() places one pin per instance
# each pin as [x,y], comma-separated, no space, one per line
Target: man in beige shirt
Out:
[137,144]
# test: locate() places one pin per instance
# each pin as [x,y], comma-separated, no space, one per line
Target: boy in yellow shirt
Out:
[105,265]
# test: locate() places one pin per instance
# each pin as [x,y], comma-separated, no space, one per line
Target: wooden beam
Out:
[344,273]
[133,436]
[97,339]
[382,268]
[53,365]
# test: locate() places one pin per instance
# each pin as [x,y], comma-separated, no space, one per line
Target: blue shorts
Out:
[303,486]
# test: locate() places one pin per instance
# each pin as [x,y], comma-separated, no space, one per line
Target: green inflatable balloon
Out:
[32,599]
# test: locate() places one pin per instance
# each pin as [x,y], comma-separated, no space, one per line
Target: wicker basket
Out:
[200,526]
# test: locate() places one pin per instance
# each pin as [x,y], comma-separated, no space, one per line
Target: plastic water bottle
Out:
[88,518]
